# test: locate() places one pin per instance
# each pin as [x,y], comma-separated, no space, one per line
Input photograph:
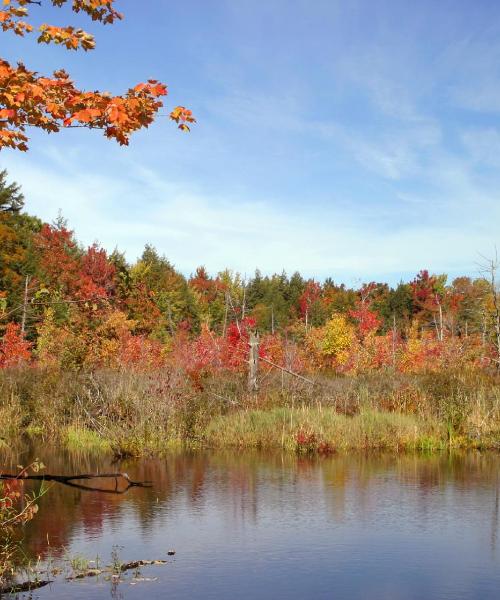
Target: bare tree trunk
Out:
[434,320]
[253,361]
[394,333]
[25,305]
[496,310]
[491,268]
[225,315]
[441,335]
[272,319]
[244,302]
[230,300]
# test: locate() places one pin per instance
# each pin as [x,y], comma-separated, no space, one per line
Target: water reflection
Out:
[280,526]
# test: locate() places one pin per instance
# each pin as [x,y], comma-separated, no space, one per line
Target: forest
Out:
[253,431]
[75,316]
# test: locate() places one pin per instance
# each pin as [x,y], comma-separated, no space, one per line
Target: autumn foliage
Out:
[29,99]
[66,307]
[14,349]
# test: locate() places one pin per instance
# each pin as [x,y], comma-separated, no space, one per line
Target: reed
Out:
[323,429]
[148,413]
[80,439]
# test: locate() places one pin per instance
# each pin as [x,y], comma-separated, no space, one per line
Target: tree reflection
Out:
[251,486]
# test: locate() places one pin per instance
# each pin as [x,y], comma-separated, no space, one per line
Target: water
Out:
[248,525]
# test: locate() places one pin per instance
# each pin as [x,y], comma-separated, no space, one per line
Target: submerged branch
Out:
[70,480]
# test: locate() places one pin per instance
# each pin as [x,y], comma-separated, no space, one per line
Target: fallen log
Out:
[71,480]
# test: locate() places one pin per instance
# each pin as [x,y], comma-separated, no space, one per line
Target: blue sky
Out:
[357,140]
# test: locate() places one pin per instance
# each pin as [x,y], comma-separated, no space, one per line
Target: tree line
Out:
[64,302]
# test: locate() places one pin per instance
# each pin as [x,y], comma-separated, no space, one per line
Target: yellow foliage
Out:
[57,345]
[115,324]
[337,339]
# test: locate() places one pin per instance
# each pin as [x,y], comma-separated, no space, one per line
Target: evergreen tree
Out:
[11,198]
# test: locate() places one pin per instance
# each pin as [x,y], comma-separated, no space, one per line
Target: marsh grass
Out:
[314,428]
[79,439]
[149,413]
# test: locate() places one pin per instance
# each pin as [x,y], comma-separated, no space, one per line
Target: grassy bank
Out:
[324,430]
[134,414]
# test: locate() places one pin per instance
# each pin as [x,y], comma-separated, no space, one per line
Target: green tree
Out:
[18,258]
[11,198]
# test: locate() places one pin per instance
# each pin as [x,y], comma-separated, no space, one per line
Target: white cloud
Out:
[192,228]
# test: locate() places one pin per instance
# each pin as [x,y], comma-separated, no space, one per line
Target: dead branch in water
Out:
[70,480]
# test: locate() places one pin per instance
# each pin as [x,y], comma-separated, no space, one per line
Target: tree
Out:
[11,198]
[14,349]
[294,291]
[428,294]
[490,272]
[337,340]
[255,289]
[338,298]
[59,258]
[469,304]
[396,308]
[155,280]
[28,99]
[366,319]
[311,305]
[17,257]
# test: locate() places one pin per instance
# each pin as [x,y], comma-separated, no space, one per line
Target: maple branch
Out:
[55,103]
[27,506]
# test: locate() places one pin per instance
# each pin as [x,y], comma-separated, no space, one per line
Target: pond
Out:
[252,525]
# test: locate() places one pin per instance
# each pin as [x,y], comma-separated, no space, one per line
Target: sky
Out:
[355,140]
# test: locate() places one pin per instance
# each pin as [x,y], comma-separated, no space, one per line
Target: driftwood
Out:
[70,480]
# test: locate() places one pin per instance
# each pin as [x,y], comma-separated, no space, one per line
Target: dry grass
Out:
[310,428]
[136,413]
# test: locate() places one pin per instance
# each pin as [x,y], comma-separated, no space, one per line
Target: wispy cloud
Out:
[353,140]
[192,228]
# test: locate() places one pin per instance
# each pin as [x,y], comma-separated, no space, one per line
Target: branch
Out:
[287,370]
[19,515]
[69,480]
